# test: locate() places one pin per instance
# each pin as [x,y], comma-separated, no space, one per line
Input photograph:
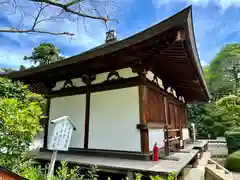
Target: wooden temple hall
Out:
[125,95]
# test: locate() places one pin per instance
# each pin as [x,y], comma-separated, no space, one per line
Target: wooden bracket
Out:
[87,79]
[180,35]
[155,79]
[49,84]
[139,67]
[113,74]
[68,84]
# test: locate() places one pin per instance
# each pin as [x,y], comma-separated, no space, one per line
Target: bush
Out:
[19,125]
[236,129]
[233,161]
[32,171]
[233,141]
[12,89]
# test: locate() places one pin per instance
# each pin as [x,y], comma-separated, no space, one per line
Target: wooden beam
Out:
[107,85]
[46,123]
[153,86]
[150,126]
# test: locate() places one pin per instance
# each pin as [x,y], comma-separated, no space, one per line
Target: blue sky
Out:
[216,22]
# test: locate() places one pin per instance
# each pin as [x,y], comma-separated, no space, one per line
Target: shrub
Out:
[233,141]
[19,125]
[12,89]
[236,129]
[233,161]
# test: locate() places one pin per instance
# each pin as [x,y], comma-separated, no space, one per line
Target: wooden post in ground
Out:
[51,165]
[166,140]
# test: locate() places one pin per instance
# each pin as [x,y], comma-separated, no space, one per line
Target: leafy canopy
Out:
[19,125]
[45,53]
[223,72]
[17,90]
[12,89]
[221,115]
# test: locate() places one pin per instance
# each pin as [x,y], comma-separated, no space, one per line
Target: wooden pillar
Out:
[186,117]
[142,111]
[166,110]
[180,116]
[87,117]
[166,140]
[46,123]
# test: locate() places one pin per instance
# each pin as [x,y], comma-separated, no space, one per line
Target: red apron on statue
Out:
[155,152]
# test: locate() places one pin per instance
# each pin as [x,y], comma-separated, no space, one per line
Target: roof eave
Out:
[175,20]
[196,59]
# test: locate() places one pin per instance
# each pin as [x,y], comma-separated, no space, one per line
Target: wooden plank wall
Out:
[154,109]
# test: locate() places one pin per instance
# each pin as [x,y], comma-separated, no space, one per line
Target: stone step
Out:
[195,174]
[212,166]
[198,172]
[204,160]
[219,172]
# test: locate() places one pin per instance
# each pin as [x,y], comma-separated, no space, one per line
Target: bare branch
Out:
[38,15]
[73,2]
[35,31]
[50,18]
[66,8]
[75,9]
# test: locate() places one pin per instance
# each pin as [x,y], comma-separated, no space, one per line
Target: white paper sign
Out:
[61,134]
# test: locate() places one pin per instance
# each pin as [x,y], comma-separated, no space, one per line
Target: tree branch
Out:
[66,8]
[35,31]
[38,15]
[73,2]
[71,7]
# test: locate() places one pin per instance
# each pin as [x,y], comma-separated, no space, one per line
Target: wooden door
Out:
[171,116]
[174,122]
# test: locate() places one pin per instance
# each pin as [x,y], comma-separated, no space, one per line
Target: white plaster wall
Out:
[74,107]
[156,135]
[125,73]
[114,115]
[185,133]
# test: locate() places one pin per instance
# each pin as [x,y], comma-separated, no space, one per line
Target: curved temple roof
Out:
[167,48]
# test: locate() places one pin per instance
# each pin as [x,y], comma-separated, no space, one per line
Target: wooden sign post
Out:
[194,131]
[60,139]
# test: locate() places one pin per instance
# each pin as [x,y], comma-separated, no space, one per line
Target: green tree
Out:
[19,125]
[196,114]
[43,54]
[6,70]
[17,90]
[13,89]
[221,115]
[22,68]
[223,72]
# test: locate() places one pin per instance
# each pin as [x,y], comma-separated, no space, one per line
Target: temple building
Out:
[124,95]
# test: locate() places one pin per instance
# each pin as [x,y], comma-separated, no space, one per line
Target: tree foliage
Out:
[17,90]
[223,72]
[19,125]
[13,89]
[45,53]
[222,76]
[222,115]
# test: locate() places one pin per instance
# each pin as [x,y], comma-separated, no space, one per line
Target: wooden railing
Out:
[171,135]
